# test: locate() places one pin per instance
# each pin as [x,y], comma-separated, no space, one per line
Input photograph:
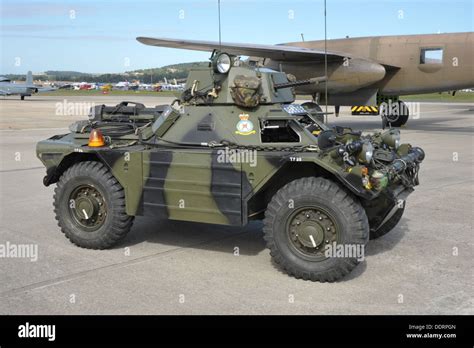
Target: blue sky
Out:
[99,36]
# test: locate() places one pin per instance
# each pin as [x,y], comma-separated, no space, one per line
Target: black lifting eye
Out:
[326,139]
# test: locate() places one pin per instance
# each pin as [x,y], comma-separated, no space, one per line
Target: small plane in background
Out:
[7,87]
[175,86]
[367,71]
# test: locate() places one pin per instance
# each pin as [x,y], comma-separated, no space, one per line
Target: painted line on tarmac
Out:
[19,170]
[444,103]
[433,111]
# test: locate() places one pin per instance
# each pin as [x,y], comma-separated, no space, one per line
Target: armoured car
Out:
[235,147]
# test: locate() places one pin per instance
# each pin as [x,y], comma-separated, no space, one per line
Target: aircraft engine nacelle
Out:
[344,77]
[354,74]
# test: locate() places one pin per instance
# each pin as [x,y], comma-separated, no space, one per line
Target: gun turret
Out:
[229,81]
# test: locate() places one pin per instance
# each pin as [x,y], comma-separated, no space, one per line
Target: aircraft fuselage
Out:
[391,65]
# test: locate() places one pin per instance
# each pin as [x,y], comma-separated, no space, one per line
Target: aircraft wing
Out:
[274,52]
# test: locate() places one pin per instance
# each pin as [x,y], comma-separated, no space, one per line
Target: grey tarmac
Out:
[424,266]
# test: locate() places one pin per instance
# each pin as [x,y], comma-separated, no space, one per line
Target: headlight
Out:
[223,63]
[397,142]
[366,153]
[391,138]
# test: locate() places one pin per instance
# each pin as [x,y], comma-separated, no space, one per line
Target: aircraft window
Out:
[431,56]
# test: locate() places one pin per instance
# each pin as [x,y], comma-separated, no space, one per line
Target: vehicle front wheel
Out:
[89,204]
[309,226]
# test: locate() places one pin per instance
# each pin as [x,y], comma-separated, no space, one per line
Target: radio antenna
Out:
[219,16]
[325,63]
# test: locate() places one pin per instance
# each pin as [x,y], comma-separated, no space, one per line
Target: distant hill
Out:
[152,75]
[170,69]
[174,71]
[71,73]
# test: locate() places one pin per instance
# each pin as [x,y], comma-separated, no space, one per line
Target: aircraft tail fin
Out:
[29,78]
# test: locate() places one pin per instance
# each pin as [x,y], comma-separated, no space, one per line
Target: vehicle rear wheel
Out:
[307,218]
[388,225]
[89,204]
[315,110]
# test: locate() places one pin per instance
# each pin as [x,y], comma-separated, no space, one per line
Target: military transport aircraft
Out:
[366,71]
[22,89]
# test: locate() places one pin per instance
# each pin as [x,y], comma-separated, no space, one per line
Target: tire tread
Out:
[353,211]
[121,222]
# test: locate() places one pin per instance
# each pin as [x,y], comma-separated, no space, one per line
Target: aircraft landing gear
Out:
[394,113]
[22,97]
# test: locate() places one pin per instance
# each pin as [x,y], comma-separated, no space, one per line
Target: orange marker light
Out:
[96,139]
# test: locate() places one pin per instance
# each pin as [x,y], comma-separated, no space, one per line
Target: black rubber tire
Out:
[387,226]
[323,193]
[401,119]
[313,107]
[117,223]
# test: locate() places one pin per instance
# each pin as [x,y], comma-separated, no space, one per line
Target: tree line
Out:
[170,72]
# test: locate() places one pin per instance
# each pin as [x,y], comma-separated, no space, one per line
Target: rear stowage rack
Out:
[125,111]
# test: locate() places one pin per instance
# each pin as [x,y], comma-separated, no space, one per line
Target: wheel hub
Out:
[87,207]
[311,229]
[311,234]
